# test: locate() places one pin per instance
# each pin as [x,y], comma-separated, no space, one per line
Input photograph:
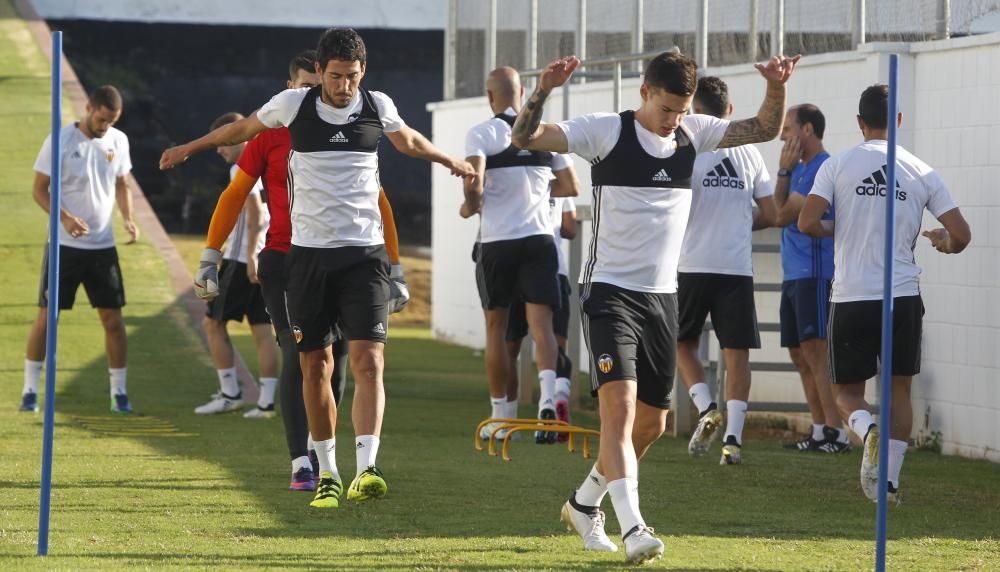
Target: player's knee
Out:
[564,365]
[112,321]
[649,430]
[367,366]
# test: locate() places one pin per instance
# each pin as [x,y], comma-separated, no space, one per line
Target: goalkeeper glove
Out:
[206,279]
[399,293]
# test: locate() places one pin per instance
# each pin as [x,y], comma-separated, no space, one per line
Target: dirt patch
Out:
[418,277]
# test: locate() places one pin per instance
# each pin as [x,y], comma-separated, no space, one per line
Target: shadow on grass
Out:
[440,487]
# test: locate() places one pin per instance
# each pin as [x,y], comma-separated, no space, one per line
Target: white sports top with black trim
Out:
[333,181]
[642,195]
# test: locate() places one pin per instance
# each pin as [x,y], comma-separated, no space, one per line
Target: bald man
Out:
[517,259]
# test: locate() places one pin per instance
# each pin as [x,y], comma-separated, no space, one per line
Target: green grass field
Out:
[169,489]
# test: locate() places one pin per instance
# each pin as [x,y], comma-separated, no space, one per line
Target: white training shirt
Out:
[558,206]
[854,182]
[89,170]
[642,228]
[336,192]
[725,183]
[236,244]
[515,199]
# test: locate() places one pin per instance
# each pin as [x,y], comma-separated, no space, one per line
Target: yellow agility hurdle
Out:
[477,441]
[570,430]
[511,426]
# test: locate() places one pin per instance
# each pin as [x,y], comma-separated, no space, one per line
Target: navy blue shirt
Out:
[803,256]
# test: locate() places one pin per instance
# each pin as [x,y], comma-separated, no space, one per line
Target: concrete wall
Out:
[947,95]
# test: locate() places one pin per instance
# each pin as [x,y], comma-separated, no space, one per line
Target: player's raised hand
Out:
[173,156]
[557,73]
[778,69]
[461,168]
[791,153]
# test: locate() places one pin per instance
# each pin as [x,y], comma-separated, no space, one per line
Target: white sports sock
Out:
[701,394]
[299,462]
[817,434]
[736,414]
[897,449]
[228,382]
[625,498]
[563,388]
[593,489]
[859,422]
[326,452]
[841,435]
[267,387]
[32,376]
[366,448]
[510,410]
[498,406]
[547,382]
[310,444]
[117,376]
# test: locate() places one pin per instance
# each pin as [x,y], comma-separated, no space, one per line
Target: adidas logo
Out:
[723,176]
[378,329]
[875,185]
[524,153]
[360,445]
[76,155]
[339,138]
[661,177]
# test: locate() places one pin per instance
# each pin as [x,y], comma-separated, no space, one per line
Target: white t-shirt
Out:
[236,244]
[854,182]
[558,206]
[89,170]
[725,184]
[335,192]
[515,199]
[641,228]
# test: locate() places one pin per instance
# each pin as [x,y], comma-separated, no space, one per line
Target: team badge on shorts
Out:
[605,363]
[297,332]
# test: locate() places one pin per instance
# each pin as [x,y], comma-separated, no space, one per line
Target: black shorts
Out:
[348,285]
[525,267]
[855,338]
[517,321]
[728,298]
[631,335]
[804,310]
[237,297]
[97,270]
[271,272]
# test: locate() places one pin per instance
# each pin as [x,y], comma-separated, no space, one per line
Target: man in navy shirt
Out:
[807,264]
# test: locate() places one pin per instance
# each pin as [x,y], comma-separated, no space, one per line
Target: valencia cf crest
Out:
[110,155]
[605,363]
[297,332]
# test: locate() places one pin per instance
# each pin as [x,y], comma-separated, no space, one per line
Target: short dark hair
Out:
[809,113]
[874,106]
[342,44]
[712,96]
[304,60]
[106,96]
[672,72]
[226,119]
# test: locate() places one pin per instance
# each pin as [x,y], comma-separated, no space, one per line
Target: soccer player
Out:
[95,163]
[715,274]
[854,183]
[642,166]
[240,295]
[563,215]
[807,264]
[517,255]
[337,269]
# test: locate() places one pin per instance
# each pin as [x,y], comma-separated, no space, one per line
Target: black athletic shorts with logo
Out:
[803,311]
[97,270]
[855,338]
[348,285]
[631,335]
[237,297]
[517,321]
[729,300]
[525,267]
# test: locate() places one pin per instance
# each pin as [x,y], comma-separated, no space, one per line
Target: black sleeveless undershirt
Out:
[629,165]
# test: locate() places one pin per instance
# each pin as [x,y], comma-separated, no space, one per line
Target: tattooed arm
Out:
[767,124]
[528,131]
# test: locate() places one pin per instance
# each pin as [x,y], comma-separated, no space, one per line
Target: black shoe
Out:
[804,444]
[831,444]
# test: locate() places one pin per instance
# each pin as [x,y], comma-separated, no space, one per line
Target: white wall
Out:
[948,96]
[403,14]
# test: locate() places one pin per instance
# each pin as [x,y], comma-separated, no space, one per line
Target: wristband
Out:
[784,173]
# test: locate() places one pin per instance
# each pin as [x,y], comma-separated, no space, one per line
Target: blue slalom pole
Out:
[885,397]
[55,203]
